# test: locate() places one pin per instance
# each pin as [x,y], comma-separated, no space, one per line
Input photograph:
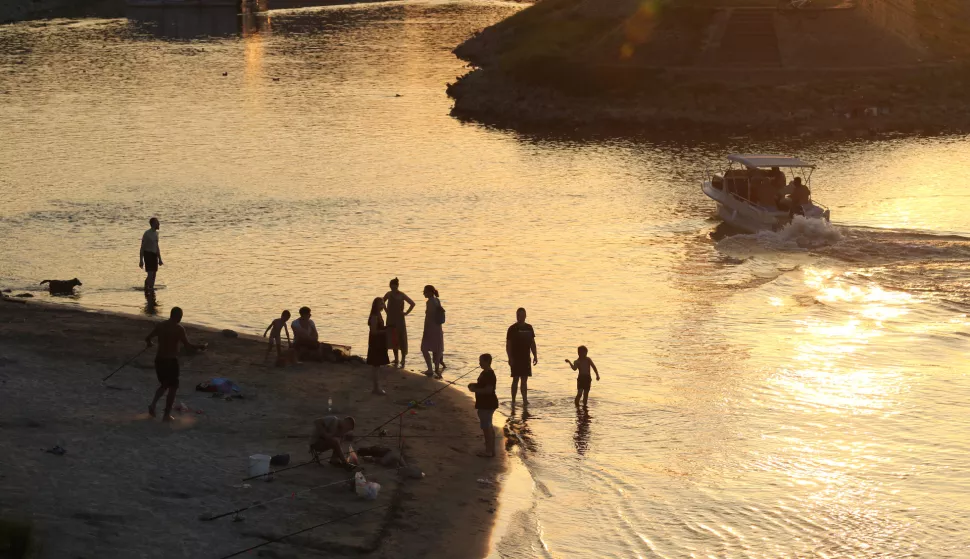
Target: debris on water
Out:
[485,481]
[57,451]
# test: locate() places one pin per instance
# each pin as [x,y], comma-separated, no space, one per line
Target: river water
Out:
[758,399]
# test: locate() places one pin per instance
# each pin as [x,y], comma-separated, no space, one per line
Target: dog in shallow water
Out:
[61,287]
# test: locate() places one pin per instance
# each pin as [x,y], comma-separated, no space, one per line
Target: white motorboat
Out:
[755,193]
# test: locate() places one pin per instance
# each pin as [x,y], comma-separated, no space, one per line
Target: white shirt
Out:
[303,330]
[149,241]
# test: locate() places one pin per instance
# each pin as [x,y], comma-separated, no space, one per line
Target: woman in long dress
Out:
[397,328]
[377,342]
[433,341]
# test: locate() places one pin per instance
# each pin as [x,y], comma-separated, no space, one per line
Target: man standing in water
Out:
[170,333]
[520,340]
[150,258]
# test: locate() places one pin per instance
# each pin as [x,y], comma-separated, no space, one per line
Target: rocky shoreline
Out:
[923,101]
[708,66]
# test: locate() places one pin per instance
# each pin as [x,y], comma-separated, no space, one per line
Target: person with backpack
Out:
[433,340]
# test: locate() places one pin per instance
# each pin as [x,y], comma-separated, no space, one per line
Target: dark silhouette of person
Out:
[433,340]
[520,342]
[377,342]
[170,334]
[397,329]
[149,256]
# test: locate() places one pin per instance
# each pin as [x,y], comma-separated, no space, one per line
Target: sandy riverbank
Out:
[130,486]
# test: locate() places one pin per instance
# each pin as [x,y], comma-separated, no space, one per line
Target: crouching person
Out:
[328,432]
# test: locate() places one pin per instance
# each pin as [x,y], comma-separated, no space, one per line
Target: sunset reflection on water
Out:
[758,399]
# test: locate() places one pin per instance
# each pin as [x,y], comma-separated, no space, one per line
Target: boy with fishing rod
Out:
[170,334]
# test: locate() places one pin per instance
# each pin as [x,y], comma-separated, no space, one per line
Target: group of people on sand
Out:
[392,334]
[384,336]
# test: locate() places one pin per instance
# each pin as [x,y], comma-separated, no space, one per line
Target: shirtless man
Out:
[170,333]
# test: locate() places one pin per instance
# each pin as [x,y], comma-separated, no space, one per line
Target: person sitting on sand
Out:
[397,329]
[584,381]
[170,333]
[306,341]
[486,402]
[328,431]
[274,330]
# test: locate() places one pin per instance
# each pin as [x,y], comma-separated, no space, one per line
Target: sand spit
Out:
[129,486]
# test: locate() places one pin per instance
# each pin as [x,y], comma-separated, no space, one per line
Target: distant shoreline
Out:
[888,105]
[708,67]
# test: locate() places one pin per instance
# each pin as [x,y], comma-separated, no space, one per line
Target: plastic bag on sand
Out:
[366,489]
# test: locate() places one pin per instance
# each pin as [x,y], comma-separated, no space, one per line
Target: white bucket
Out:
[258,465]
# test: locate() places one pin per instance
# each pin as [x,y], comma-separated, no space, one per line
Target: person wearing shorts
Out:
[520,346]
[170,334]
[150,257]
[486,402]
[585,380]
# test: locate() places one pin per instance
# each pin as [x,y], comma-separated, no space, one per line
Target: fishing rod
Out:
[375,429]
[315,526]
[261,503]
[125,364]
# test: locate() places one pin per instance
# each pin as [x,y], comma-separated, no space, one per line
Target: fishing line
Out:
[290,495]
[125,364]
[315,526]
[375,429]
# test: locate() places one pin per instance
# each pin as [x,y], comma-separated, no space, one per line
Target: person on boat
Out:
[377,342]
[778,179]
[433,340]
[397,329]
[800,196]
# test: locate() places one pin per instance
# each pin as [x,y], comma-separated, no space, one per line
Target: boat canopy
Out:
[749,160]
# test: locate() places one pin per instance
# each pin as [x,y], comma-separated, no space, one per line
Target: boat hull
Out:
[746,216]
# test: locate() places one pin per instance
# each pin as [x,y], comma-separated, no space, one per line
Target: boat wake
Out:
[800,235]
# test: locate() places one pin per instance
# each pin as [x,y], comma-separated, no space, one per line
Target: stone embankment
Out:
[17,10]
[743,70]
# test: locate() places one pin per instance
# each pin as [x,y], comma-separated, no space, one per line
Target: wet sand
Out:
[131,486]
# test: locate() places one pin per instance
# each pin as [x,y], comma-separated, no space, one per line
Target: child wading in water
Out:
[584,381]
[274,329]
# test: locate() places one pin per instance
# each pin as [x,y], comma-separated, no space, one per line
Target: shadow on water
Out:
[517,430]
[581,439]
[151,304]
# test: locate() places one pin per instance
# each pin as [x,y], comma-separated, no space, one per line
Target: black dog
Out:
[62,287]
